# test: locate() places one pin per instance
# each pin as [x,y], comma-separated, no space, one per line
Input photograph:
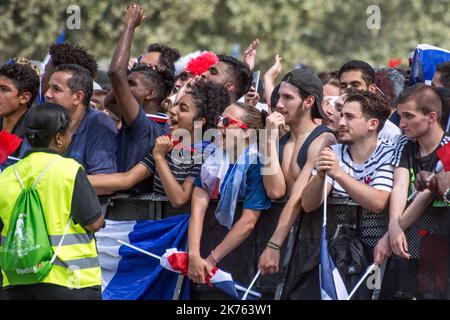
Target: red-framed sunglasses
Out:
[227,121]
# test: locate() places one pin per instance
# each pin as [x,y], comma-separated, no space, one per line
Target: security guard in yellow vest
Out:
[65,194]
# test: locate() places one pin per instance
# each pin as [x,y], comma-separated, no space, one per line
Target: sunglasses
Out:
[227,121]
[185,76]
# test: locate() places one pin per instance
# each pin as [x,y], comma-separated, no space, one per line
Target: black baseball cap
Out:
[307,81]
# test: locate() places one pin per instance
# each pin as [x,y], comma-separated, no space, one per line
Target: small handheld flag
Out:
[443,164]
[9,143]
[178,261]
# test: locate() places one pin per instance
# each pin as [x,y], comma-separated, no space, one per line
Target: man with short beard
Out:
[290,159]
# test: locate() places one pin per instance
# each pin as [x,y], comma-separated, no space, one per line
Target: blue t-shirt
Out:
[136,141]
[94,144]
[255,196]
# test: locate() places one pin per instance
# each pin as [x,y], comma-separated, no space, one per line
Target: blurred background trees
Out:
[319,33]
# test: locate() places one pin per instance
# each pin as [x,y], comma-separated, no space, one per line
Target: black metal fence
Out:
[424,276]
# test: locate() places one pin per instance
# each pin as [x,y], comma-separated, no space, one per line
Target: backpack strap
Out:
[61,241]
[18,176]
[40,175]
[302,155]
[45,170]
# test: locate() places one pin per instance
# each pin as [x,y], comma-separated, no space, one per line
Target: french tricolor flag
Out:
[332,286]
[425,60]
[178,261]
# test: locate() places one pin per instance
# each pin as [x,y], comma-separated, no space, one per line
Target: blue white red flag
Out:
[131,275]
[426,58]
[332,286]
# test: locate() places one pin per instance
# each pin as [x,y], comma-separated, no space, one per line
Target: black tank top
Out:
[302,155]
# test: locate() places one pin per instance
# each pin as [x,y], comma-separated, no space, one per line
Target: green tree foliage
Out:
[320,33]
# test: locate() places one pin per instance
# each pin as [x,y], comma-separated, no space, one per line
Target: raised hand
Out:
[250,53]
[252,97]
[134,15]
[274,72]
[163,145]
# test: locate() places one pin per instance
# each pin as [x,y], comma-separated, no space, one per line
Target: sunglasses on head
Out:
[185,76]
[227,121]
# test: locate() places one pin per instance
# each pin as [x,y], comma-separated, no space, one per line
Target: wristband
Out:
[273,245]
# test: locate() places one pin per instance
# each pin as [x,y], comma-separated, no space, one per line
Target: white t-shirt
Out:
[377,172]
[390,132]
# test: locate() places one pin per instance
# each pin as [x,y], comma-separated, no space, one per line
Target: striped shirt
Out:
[377,172]
[182,168]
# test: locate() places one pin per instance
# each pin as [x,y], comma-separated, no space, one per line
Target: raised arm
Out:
[111,104]
[250,54]
[127,105]
[270,77]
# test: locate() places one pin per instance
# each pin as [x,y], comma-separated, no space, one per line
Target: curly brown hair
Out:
[210,101]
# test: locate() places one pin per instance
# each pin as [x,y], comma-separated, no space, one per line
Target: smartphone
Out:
[255,82]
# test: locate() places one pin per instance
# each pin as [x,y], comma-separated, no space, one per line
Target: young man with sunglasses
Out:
[288,170]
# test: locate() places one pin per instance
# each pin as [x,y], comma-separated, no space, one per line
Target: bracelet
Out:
[214,258]
[273,245]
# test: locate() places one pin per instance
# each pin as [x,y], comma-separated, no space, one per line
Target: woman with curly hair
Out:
[173,175]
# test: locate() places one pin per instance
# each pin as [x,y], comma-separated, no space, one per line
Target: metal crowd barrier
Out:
[421,277]
[424,276]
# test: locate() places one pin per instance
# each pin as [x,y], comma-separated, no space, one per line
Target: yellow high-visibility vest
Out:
[76,264]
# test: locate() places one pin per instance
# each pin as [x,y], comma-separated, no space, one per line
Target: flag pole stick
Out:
[140,250]
[369,270]
[251,285]
[242,289]
[416,192]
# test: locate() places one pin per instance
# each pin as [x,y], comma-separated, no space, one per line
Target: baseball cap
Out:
[307,81]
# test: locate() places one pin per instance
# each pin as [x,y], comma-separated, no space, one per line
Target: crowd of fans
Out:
[189,128]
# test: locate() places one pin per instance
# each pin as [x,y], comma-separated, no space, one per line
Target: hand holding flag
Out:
[178,261]
[443,164]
